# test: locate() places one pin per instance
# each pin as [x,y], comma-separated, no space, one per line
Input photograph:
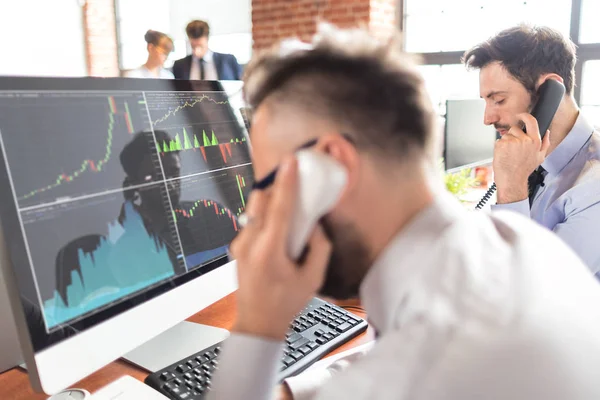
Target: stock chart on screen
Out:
[121,191]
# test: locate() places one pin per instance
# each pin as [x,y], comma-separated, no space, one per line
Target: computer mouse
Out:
[71,394]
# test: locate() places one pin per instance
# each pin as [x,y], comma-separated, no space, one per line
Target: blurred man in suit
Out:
[204,63]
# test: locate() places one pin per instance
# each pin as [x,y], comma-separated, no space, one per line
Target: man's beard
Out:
[349,261]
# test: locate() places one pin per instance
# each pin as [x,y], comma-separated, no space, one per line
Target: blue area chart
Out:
[129,260]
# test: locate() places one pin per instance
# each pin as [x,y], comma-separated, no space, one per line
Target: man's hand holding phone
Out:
[516,155]
[272,287]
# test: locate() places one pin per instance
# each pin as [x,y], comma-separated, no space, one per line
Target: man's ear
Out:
[344,152]
[545,77]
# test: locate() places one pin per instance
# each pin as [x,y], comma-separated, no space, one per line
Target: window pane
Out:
[437,25]
[135,18]
[590,83]
[451,81]
[590,28]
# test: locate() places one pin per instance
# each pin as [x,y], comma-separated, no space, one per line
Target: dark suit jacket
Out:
[227,67]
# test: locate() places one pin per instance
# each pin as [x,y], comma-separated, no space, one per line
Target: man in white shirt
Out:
[466,305]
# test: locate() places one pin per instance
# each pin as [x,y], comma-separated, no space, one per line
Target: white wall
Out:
[42,37]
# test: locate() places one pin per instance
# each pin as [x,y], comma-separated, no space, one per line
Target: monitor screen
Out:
[115,191]
[467,141]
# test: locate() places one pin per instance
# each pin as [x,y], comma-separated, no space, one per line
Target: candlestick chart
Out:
[207,215]
[71,148]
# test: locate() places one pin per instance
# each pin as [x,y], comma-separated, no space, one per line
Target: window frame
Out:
[585,51]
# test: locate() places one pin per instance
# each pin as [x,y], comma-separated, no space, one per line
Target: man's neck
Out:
[394,207]
[563,122]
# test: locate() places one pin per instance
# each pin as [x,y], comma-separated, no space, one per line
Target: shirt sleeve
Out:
[248,367]
[306,385]
[581,232]
[521,207]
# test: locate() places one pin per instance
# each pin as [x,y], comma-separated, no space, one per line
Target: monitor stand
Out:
[177,343]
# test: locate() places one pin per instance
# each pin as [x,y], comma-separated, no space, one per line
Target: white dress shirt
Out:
[468,305]
[210,70]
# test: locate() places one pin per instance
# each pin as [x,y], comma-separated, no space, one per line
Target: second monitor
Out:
[467,141]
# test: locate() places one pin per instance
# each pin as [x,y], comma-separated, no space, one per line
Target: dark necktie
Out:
[534,182]
[202,68]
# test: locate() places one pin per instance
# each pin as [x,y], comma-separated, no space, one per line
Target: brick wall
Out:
[100,38]
[276,19]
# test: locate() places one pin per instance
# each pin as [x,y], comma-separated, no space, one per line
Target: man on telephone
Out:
[465,305]
[566,197]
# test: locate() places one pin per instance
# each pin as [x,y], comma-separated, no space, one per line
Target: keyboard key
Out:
[199,389]
[343,327]
[319,332]
[287,361]
[296,355]
[182,368]
[210,355]
[176,391]
[217,350]
[311,321]
[321,341]
[167,376]
[202,359]
[185,395]
[188,376]
[294,337]
[299,343]
[298,328]
[305,325]
[332,324]
[201,380]
[192,364]
[305,350]
[177,382]
[312,345]
[339,321]
[169,387]
[328,336]
[190,384]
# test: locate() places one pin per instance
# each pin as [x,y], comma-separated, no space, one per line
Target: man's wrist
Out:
[512,193]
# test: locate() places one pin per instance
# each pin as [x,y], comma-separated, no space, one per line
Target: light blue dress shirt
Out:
[569,201]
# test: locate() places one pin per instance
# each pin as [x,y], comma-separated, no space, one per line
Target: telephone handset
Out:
[550,93]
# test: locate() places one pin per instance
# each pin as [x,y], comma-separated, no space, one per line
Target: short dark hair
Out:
[154,38]
[369,89]
[197,29]
[527,52]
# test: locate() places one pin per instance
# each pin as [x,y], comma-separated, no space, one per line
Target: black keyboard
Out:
[317,330]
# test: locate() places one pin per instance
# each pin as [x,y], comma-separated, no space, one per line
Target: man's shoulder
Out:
[224,56]
[181,60]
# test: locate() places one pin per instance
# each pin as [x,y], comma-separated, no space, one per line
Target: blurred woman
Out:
[159,47]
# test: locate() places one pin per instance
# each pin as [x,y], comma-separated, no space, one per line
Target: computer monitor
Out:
[467,141]
[119,200]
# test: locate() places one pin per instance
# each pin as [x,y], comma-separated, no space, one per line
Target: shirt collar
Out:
[208,57]
[569,147]
[386,286]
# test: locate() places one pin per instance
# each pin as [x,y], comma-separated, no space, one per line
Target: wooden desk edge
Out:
[14,384]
